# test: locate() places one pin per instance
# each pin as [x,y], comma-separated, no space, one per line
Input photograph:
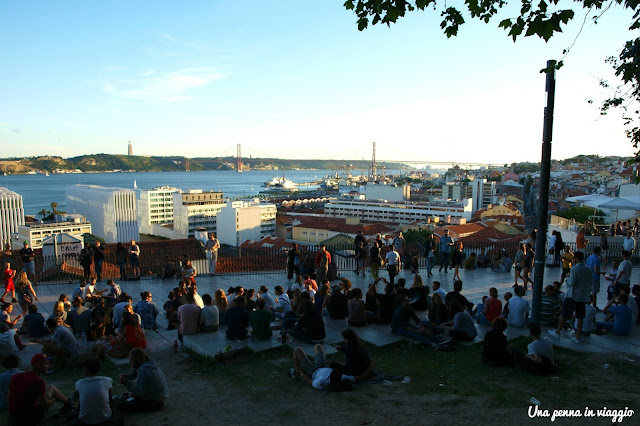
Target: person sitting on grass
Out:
[238,319]
[438,313]
[618,317]
[210,315]
[549,307]
[319,375]
[260,320]
[539,357]
[146,382]
[419,295]
[93,394]
[357,314]
[10,363]
[462,327]
[30,397]
[310,327]
[359,362]
[491,309]
[495,350]
[337,306]
[400,324]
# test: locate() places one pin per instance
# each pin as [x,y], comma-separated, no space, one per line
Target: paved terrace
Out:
[476,285]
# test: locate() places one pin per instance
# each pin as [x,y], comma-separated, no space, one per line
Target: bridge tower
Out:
[374,166]
[186,165]
[239,165]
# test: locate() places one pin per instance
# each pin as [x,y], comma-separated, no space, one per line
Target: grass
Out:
[579,379]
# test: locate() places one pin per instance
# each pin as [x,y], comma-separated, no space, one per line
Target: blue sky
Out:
[292,79]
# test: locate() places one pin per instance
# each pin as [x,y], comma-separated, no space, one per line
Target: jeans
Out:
[393,271]
[601,325]
[122,264]
[431,261]
[444,260]
[213,261]
[98,268]
[413,335]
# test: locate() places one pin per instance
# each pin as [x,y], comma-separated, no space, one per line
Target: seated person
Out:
[504,264]
[438,313]
[251,303]
[284,303]
[9,341]
[519,309]
[5,315]
[310,327]
[149,389]
[495,350]
[359,362]
[491,309]
[35,323]
[210,315]
[471,262]
[589,321]
[458,297]
[10,363]
[131,337]
[189,318]
[237,319]
[357,314]
[260,321]
[94,394]
[539,357]
[386,302]
[63,342]
[483,261]
[401,324]
[462,327]
[79,317]
[549,307]
[30,398]
[618,317]
[168,269]
[319,375]
[337,306]
[400,287]
[505,310]
[419,295]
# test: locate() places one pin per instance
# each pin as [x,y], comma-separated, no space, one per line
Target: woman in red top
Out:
[492,308]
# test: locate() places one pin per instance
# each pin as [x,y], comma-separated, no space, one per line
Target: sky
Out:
[295,79]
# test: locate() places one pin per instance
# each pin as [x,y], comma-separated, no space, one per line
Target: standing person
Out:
[623,279]
[30,397]
[431,255]
[134,259]
[398,243]
[323,259]
[94,394]
[85,260]
[361,258]
[293,261]
[359,239]
[527,264]
[578,288]
[375,260]
[8,276]
[212,247]
[628,244]
[559,248]
[28,265]
[567,259]
[26,293]
[446,243]
[98,259]
[150,389]
[517,262]
[121,259]
[581,241]
[604,246]
[551,243]
[593,262]
[456,260]
[394,263]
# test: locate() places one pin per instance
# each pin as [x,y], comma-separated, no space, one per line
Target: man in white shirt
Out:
[270,302]
[94,394]
[519,309]
[212,246]
[629,244]
[319,375]
[623,279]
[393,263]
[439,290]
[284,304]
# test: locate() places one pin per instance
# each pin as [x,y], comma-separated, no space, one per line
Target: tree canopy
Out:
[543,19]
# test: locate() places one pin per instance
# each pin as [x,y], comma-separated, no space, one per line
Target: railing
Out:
[232,260]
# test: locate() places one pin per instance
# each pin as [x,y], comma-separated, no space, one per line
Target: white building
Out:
[242,220]
[483,193]
[195,209]
[11,215]
[36,233]
[111,211]
[155,206]
[386,192]
[378,211]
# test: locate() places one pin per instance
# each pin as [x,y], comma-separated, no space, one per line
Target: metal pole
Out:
[543,202]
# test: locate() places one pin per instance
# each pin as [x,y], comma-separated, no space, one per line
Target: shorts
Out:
[518,268]
[595,287]
[308,369]
[565,271]
[134,260]
[29,267]
[570,306]
[9,287]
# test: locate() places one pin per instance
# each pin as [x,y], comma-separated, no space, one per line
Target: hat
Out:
[25,243]
[38,359]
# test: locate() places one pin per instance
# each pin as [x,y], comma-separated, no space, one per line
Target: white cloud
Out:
[162,87]
[168,37]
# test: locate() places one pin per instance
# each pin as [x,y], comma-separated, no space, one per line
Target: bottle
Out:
[176,348]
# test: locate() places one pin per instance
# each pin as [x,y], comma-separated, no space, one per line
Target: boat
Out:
[280,182]
[135,184]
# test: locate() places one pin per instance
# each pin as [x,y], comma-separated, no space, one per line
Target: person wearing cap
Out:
[30,397]
[28,265]
[319,375]
[149,389]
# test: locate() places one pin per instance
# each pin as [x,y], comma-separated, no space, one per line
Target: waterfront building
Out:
[11,215]
[195,209]
[35,233]
[155,207]
[111,211]
[246,220]
[402,213]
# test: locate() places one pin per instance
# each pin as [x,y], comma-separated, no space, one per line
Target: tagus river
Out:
[39,191]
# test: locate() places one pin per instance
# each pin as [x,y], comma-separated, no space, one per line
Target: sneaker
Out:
[293,374]
[553,333]
[13,300]
[575,340]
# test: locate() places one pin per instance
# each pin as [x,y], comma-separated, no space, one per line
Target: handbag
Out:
[27,298]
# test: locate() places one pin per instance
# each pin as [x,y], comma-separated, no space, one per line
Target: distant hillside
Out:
[109,162]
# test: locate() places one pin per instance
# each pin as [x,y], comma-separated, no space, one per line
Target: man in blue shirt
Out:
[593,262]
[621,315]
[446,243]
